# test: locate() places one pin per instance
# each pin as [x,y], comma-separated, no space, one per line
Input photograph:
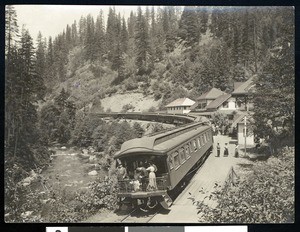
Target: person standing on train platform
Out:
[225,150]
[236,150]
[121,172]
[143,173]
[152,186]
[218,150]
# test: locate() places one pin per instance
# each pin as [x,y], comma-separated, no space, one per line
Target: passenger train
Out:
[174,153]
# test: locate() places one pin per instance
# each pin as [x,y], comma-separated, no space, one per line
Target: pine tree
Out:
[40,56]
[100,45]
[274,98]
[189,30]
[68,37]
[82,30]
[124,36]
[131,48]
[11,28]
[23,89]
[90,39]
[142,43]
[74,35]
[112,31]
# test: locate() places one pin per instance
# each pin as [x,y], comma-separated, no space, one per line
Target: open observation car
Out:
[173,152]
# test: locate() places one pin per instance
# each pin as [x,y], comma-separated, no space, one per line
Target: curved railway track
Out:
[137,216]
[177,119]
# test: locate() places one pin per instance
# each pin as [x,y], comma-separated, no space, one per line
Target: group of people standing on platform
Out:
[144,170]
[226,152]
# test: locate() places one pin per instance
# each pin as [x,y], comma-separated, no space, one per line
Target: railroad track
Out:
[138,216]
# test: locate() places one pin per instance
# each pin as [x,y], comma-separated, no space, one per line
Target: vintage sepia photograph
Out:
[149,114]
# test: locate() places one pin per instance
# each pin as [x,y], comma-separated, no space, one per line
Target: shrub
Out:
[127,107]
[102,194]
[131,85]
[157,95]
[152,109]
[111,91]
[266,195]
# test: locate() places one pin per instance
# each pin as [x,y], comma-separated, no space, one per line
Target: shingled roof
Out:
[211,94]
[217,102]
[181,102]
[244,87]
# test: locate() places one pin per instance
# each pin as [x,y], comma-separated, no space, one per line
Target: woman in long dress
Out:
[152,179]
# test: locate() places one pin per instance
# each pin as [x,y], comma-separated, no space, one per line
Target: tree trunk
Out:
[254,45]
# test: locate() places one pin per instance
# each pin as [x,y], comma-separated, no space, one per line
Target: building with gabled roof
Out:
[239,123]
[219,102]
[241,89]
[209,96]
[241,93]
[180,106]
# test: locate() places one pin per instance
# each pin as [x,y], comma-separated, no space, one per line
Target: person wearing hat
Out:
[225,150]
[121,172]
[152,186]
[142,173]
[236,150]
[218,150]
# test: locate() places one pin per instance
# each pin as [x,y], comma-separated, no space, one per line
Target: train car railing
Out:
[129,185]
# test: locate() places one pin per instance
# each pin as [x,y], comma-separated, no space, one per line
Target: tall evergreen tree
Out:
[189,30]
[11,28]
[100,45]
[74,33]
[274,98]
[40,56]
[142,42]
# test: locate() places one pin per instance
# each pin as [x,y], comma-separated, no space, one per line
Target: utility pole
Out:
[245,134]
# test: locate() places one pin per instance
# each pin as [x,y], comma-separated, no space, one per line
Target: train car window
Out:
[205,138]
[187,151]
[194,145]
[182,155]
[191,148]
[198,141]
[202,140]
[176,159]
[171,163]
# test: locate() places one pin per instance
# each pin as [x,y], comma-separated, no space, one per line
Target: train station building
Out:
[180,106]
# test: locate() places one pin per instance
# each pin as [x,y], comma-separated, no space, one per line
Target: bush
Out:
[266,195]
[157,96]
[127,107]
[152,109]
[131,85]
[102,194]
[111,91]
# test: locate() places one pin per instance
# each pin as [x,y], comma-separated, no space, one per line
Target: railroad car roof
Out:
[171,143]
[147,144]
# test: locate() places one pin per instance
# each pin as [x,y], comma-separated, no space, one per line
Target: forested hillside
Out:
[166,52]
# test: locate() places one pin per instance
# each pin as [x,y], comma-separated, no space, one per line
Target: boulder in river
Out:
[97,166]
[63,148]
[93,173]
[92,159]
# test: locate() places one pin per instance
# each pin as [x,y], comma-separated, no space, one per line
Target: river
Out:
[69,170]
